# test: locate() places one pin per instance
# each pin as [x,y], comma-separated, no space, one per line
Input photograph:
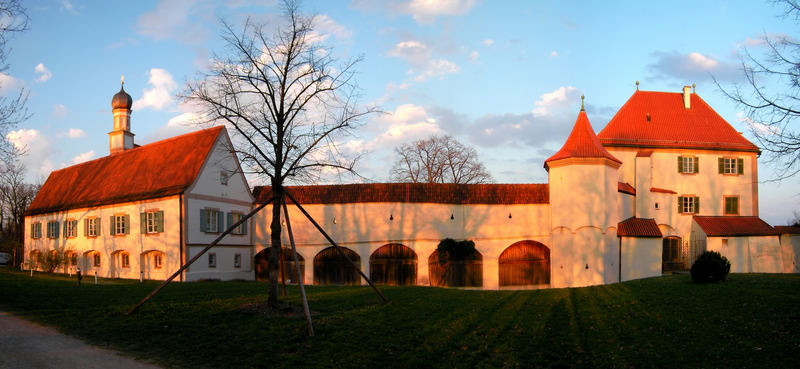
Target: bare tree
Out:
[287,100]
[13,19]
[438,159]
[770,96]
[15,197]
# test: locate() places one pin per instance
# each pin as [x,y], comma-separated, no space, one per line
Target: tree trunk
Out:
[275,237]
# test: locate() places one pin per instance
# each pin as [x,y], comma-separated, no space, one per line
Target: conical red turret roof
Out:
[581,143]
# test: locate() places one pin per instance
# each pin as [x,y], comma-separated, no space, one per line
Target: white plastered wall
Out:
[641,257]
[790,252]
[749,254]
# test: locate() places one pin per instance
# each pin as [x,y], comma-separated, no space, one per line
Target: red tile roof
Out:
[644,154]
[415,192]
[638,227]
[581,143]
[787,229]
[626,188]
[662,190]
[733,226]
[659,119]
[158,169]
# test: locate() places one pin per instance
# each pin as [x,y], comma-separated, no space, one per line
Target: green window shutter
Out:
[58,229]
[160,221]
[244,227]
[203,222]
[220,221]
[740,165]
[680,204]
[697,165]
[143,223]
[680,164]
[98,223]
[32,230]
[721,164]
[85,227]
[111,227]
[126,220]
[697,205]
[230,221]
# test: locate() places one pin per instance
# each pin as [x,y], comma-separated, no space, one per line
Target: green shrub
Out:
[710,267]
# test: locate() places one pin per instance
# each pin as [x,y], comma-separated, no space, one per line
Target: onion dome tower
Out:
[121,138]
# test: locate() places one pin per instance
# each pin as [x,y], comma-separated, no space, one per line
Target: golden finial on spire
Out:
[582,109]
[637,85]
[122,80]
[693,87]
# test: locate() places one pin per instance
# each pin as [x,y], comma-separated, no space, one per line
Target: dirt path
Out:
[27,345]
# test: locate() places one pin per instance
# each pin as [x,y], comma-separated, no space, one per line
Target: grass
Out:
[752,320]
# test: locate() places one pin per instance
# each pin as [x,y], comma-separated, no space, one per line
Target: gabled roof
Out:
[787,229]
[415,192]
[638,227]
[651,119]
[581,143]
[158,169]
[720,226]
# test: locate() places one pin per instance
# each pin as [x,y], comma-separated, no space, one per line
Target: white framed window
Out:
[223,178]
[212,260]
[157,261]
[731,166]
[211,220]
[36,230]
[126,260]
[241,229]
[688,204]
[96,259]
[70,228]
[120,224]
[91,227]
[152,221]
[688,164]
[237,260]
[52,229]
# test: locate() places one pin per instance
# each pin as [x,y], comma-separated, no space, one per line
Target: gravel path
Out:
[28,345]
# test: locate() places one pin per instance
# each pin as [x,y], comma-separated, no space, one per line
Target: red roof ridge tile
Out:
[638,227]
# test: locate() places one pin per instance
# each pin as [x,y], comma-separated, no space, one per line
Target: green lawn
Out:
[748,321]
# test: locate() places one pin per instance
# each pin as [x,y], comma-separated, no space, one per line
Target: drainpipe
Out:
[619,262]
[180,229]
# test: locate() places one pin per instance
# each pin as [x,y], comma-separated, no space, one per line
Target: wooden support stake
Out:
[307,312]
[334,244]
[192,260]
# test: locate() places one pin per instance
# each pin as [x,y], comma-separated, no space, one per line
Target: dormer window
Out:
[223,178]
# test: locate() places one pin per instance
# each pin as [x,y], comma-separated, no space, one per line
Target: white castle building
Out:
[666,179]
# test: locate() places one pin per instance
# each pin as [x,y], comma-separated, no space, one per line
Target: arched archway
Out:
[393,264]
[524,263]
[35,259]
[152,264]
[460,273]
[331,268]
[286,266]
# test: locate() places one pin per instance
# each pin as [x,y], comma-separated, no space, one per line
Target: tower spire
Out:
[582,109]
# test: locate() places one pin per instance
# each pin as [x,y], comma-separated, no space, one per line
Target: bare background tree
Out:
[15,197]
[438,159]
[287,99]
[771,95]
[13,20]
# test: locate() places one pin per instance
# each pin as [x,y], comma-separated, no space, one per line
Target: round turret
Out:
[121,100]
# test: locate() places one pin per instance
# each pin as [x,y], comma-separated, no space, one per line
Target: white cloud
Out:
[59,111]
[74,133]
[488,42]
[419,56]
[160,95]
[757,127]
[406,123]
[474,56]
[555,100]
[553,53]
[86,156]
[44,74]
[9,84]
[67,5]
[423,11]
[325,26]
[437,68]
[38,150]
[692,67]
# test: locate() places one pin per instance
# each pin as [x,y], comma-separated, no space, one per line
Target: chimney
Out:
[687,97]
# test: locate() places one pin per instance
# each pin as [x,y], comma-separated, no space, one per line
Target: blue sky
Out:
[503,76]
